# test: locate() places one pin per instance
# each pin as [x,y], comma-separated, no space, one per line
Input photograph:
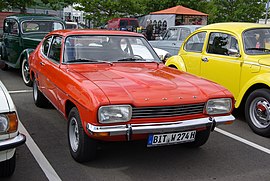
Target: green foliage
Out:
[236,10]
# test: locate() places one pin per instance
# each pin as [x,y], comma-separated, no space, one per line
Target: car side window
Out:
[11,26]
[184,32]
[222,44]
[55,50]
[171,34]
[46,45]
[195,42]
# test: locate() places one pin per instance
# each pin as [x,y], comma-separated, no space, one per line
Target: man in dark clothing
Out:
[149,30]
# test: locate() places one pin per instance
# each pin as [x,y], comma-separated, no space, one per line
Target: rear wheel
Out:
[26,72]
[200,139]
[257,111]
[7,167]
[39,99]
[81,146]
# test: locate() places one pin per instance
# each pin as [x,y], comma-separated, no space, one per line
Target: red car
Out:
[111,86]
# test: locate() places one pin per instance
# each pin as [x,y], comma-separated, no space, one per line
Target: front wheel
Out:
[26,73]
[81,146]
[257,111]
[7,167]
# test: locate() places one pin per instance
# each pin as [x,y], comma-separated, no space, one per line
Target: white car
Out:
[10,138]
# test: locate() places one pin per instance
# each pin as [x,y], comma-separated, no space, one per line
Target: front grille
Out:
[167,111]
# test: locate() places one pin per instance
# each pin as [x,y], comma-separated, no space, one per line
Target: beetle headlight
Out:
[114,113]
[3,123]
[218,106]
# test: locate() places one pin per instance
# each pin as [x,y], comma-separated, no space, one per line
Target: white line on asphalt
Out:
[20,91]
[38,155]
[254,145]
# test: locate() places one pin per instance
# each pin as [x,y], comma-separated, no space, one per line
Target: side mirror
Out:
[233,52]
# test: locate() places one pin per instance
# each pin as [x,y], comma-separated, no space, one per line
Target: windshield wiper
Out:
[129,59]
[83,60]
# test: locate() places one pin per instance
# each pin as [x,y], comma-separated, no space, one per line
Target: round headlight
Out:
[3,123]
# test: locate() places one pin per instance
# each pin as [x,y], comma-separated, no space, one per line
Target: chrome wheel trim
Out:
[25,71]
[259,112]
[74,134]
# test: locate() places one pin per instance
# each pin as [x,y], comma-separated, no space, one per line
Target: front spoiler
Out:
[129,129]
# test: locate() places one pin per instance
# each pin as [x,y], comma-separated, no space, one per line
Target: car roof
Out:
[21,17]
[68,32]
[237,27]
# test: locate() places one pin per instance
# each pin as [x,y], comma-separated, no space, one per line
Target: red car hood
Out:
[149,84]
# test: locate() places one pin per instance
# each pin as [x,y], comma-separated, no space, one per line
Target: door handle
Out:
[173,43]
[205,59]
[42,63]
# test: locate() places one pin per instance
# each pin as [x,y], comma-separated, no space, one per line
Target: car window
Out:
[195,42]
[40,26]
[46,45]
[184,32]
[257,41]
[11,26]
[222,44]
[171,34]
[55,50]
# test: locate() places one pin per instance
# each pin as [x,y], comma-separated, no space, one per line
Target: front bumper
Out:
[129,129]
[12,142]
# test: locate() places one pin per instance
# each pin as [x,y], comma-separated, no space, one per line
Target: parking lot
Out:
[232,152]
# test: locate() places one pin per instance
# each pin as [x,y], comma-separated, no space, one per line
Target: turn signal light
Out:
[13,122]
[101,134]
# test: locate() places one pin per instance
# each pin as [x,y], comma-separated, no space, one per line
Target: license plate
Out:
[170,138]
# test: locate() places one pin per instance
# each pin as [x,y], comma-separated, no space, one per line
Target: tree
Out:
[58,4]
[236,10]
[100,11]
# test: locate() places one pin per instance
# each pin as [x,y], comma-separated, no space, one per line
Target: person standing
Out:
[149,30]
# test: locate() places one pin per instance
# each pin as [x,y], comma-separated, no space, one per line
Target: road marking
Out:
[38,155]
[20,91]
[254,145]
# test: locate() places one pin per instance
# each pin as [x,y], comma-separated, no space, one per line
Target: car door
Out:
[191,52]
[221,61]
[50,68]
[169,40]
[11,40]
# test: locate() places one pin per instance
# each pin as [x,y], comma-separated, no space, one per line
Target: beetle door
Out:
[221,62]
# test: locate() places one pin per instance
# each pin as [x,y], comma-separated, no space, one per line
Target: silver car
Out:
[174,37]
[10,138]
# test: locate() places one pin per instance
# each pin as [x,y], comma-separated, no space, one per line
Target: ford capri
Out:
[112,86]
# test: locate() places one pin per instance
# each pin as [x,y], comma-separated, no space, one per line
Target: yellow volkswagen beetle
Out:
[237,56]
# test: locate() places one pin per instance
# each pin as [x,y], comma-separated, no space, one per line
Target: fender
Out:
[24,53]
[259,79]
[176,61]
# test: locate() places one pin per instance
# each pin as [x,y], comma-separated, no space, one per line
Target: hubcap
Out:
[260,112]
[74,134]
[25,71]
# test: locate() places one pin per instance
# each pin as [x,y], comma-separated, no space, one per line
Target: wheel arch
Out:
[68,106]
[176,62]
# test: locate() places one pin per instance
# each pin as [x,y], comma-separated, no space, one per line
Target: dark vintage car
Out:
[21,35]
[111,86]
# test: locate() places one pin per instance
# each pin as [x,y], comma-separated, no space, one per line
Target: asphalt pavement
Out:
[233,152]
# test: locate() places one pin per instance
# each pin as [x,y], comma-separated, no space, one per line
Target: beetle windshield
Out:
[108,48]
[257,41]
[41,26]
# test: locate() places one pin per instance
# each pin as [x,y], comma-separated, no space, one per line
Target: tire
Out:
[7,167]
[39,99]
[81,146]
[200,139]
[257,112]
[26,73]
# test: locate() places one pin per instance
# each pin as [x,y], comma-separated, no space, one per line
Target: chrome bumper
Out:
[12,142]
[129,129]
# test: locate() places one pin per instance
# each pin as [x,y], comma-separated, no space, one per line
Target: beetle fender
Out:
[176,61]
[259,79]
